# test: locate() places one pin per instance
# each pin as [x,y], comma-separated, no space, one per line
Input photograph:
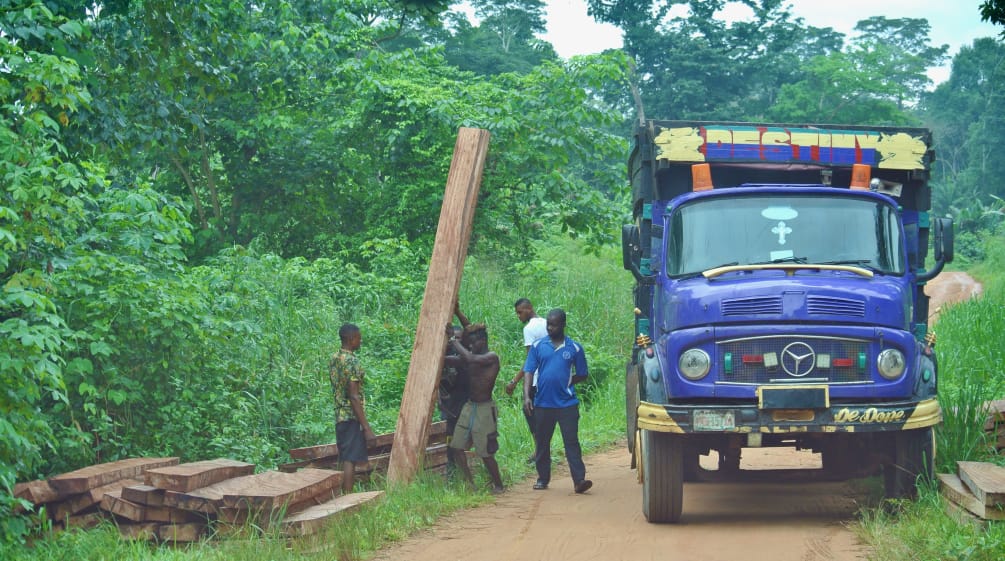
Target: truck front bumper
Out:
[745,419]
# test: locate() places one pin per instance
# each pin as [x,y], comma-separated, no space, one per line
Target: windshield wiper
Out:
[863,263]
[696,274]
[800,260]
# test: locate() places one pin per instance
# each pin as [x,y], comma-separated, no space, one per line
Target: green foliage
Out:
[45,199]
[969,372]
[923,529]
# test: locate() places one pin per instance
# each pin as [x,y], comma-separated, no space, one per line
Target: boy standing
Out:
[352,431]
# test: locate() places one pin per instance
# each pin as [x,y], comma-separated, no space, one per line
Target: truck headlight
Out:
[694,364]
[890,363]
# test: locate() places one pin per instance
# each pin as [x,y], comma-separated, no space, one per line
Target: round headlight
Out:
[890,364]
[694,364]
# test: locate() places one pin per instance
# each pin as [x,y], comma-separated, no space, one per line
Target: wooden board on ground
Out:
[36,492]
[953,489]
[186,477]
[114,503]
[140,531]
[312,519]
[271,490]
[190,532]
[205,499]
[443,280]
[84,521]
[144,494]
[83,501]
[985,480]
[380,445]
[996,413]
[265,518]
[88,478]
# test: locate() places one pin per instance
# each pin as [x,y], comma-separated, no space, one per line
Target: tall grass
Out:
[593,290]
[971,357]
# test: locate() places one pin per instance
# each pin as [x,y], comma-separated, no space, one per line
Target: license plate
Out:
[713,419]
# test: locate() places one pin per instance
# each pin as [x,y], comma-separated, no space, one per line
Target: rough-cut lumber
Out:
[83,501]
[312,519]
[141,531]
[272,490]
[954,489]
[36,492]
[985,480]
[380,445]
[186,477]
[143,494]
[206,499]
[442,282]
[114,503]
[190,532]
[996,413]
[88,478]
[89,520]
[264,518]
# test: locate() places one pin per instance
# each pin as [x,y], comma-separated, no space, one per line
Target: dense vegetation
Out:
[197,194]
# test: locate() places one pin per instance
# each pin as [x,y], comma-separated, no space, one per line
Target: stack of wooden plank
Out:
[379,453]
[72,499]
[994,425]
[162,499]
[978,489]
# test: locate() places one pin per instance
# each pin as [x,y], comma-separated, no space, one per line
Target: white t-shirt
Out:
[535,328]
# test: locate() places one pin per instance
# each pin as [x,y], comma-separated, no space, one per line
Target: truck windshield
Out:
[756,229]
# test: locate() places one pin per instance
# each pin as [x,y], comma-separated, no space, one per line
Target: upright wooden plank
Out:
[312,519]
[954,489]
[442,283]
[985,480]
[88,478]
[186,477]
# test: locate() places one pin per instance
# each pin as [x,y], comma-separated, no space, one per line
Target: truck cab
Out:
[779,300]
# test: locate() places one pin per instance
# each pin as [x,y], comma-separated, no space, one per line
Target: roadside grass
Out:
[971,357]
[596,294]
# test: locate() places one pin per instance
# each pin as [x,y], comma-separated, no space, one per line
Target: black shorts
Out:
[350,441]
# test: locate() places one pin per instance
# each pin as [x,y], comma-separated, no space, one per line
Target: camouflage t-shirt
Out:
[344,368]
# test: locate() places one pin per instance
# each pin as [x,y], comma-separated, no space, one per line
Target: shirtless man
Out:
[477,423]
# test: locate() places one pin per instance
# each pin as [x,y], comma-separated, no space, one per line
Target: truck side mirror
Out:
[943,239]
[631,249]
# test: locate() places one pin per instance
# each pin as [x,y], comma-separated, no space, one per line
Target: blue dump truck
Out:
[779,301]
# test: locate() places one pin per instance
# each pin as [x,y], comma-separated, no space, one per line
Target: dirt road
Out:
[783,519]
[947,289]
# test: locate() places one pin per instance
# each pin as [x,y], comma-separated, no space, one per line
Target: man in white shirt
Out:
[534,328]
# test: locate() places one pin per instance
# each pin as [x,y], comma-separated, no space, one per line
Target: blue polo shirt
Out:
[554,366]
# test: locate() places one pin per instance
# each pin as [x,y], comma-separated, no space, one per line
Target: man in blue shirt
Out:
[555,357]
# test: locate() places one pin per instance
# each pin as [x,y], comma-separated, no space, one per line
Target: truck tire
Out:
[914,460]
[662,476]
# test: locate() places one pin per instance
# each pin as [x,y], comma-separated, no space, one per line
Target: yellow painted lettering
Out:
[746,136]
[680,144]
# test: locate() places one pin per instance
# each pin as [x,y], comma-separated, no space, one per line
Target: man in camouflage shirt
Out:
[352,431]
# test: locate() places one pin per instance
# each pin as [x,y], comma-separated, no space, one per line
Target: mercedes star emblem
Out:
[798,359]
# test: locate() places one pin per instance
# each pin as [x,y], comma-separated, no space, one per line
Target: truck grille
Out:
[759,360]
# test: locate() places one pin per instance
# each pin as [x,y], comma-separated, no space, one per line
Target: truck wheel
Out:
[662,476]
[692,465]
[914,458]
[631,403]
